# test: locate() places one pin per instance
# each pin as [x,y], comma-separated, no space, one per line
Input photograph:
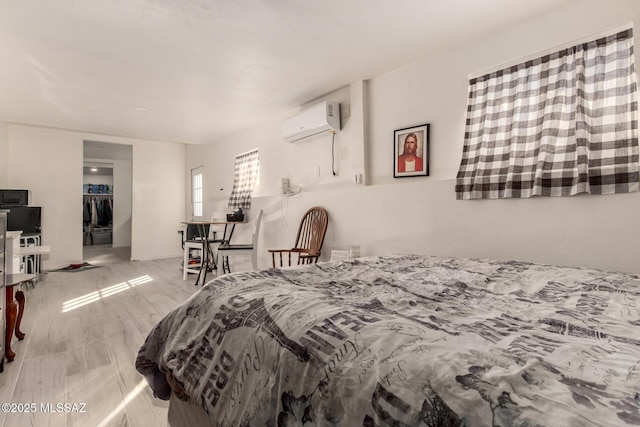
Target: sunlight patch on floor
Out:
[128,398]
[89,298]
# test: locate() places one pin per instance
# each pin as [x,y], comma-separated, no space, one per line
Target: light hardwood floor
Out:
[105,254]
[83,331]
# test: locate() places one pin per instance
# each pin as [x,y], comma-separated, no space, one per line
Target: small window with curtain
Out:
[559,125]
[246,171]
[197,192]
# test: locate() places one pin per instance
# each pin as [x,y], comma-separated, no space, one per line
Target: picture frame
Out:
[414,162]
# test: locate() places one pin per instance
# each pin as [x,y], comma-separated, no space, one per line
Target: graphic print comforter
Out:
[406,341]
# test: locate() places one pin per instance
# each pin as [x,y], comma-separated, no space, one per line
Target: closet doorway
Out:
[106,200]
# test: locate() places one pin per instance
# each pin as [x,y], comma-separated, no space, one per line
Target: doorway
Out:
[106,193]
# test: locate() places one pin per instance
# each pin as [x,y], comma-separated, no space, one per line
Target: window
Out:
[197,192]
[245,174]
[559,125]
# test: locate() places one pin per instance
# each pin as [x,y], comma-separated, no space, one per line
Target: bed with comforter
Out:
[404,341]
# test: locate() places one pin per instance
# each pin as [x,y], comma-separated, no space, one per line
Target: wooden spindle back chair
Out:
[309,240]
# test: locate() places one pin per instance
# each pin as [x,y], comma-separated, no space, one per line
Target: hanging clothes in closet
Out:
[98,211]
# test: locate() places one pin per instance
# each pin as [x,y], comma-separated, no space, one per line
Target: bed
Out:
[402,341]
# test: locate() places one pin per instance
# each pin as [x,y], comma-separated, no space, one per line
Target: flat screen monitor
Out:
[25,218]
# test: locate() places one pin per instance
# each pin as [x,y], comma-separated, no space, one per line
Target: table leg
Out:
[21,303]
[226,268]
[12,309]
[204,255]
[205,259]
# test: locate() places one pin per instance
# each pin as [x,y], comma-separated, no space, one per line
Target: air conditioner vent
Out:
[312,122]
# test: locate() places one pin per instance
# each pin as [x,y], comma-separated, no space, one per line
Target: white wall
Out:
[435,89]
[4,154]
[122,193]
[578,231]
[49,162]
[421,215]
[36,155]
[158,199]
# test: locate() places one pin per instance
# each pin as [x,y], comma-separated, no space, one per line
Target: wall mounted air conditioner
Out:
[312,122]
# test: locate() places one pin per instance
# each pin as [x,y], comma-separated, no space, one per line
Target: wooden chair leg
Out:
[21,304]
[12,309]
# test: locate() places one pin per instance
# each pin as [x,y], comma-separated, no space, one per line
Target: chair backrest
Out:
[242,249]
[217,230]
[254,241]
[256,231]
[193,232]
[313,227]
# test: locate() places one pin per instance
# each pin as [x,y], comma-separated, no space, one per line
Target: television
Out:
[25,218]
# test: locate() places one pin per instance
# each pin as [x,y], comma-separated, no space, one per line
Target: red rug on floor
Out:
[72,268]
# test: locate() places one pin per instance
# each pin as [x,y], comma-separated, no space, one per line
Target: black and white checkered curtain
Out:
[559,125]
[245,174]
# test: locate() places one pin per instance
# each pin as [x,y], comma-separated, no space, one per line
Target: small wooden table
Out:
[207,259]
[14,311]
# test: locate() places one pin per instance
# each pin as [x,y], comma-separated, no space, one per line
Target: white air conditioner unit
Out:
[312,122]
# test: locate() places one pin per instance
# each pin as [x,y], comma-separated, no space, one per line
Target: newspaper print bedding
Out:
[406,341]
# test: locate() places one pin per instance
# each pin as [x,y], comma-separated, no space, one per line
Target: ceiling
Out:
[194,71]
